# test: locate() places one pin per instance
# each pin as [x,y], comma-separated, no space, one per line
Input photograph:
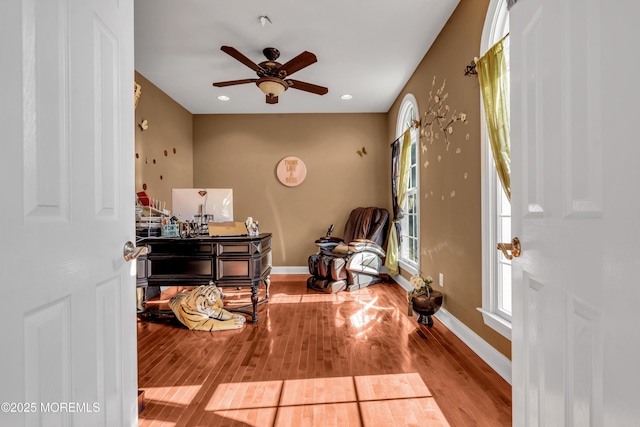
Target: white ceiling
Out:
[366,48]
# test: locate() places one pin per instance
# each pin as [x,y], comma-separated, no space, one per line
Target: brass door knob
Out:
[510,250]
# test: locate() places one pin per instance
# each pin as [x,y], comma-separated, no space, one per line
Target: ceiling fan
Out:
[272,76]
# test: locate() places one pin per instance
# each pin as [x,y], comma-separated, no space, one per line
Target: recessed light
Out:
[223,98]
[346,96]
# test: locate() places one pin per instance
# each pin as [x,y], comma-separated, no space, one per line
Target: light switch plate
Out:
[441,282]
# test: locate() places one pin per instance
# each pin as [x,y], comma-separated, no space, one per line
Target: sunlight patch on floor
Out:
[258,394]
[393,386]
[332,414]
[318,390]
[362,296]
[181,395]
[285,299]
[405,412]
[259,417]
[366,401]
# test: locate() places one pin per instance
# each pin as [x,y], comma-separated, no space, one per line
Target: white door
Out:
[576,209]
[68,351]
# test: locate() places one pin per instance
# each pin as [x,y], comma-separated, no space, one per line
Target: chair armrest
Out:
[328,241]
[327,244]
[364,245]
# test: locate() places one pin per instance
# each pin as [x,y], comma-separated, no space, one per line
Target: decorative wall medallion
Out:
[291,171]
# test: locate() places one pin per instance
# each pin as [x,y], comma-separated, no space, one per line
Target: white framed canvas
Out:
[188,202]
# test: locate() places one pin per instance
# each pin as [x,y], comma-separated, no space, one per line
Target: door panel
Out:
[47,358]
[575,209]
[531,137]
[66,118]
[45,110]
[582,108]
[584,363]
[107,119]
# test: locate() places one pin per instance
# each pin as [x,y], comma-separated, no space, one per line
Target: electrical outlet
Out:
[441,282]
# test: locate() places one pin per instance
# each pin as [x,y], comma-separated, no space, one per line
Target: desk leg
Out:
[140,298]
[254,301]
[267,285]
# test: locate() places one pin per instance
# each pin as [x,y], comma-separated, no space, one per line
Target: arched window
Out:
[496,208]
[409,249]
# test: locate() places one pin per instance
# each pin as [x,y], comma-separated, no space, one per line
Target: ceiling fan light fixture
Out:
[223,98]
[271,86]
[346,96]
[271,74]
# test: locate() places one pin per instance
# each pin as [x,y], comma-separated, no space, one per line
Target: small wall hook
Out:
[264,19]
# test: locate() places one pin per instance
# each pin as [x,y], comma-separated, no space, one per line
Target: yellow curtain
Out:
[393,244]
[494,85]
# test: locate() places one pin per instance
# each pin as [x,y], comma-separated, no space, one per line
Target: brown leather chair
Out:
[353,261]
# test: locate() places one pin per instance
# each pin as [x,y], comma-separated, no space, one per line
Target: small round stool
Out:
[427,305]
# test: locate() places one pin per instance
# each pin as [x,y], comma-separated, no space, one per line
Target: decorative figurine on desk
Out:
[252,227]
[200,309]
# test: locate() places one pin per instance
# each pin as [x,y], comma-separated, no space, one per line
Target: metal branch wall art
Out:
[439,123]
[439,118]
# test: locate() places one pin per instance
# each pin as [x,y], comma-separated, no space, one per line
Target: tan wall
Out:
[450,225]
[242,152]
[170,126]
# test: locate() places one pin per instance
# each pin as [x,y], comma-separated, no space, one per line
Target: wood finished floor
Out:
[350,359]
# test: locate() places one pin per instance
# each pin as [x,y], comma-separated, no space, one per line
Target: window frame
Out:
[413,267]
[497,319]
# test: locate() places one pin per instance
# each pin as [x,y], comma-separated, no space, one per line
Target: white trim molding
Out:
[496,23]
[496,360]
[304,270]
[497,323]
[290,270]
[404,283]
[409,102]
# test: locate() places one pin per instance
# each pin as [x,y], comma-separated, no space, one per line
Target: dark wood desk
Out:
[228,261]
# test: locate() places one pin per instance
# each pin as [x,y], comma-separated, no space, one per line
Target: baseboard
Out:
[303,270]
[290,270]
[496,360]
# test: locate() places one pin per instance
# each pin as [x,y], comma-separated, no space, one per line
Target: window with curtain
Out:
[409,249]
[496,207]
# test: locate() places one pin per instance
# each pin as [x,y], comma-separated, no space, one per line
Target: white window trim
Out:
[410,100]
[496,15]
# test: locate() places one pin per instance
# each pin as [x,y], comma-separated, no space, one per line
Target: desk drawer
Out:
[236,248]
[187,267]
[178,248]
[234,268]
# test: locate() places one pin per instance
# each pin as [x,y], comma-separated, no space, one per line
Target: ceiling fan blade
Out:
[307,87]
[234,82]
[298,63]
[272,99]
[240,57]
